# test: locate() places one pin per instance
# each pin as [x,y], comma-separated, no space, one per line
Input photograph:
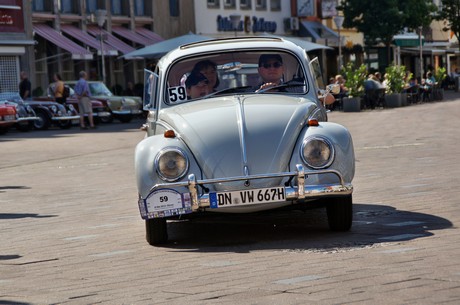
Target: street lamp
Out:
[421,51]
[101,16]
[338,20]
[235,19]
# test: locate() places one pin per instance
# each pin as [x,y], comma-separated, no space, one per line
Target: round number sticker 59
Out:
[164,200]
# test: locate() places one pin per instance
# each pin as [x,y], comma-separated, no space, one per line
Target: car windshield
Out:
[99,89]
[228,73]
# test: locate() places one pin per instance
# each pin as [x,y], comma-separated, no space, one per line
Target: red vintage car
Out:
[8,117]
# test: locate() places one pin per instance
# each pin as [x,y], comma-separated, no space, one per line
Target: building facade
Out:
[67,36]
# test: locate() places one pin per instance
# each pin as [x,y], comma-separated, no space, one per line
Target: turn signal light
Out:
[313,122]
[169,134]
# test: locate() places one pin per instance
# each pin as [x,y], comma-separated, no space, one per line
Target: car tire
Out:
[340,213]
[106,119]
[25,126]
[125,118]
[43,121]
[65,124]
[156,231]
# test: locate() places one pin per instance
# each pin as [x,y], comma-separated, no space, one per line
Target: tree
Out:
[450,13]
[380,20]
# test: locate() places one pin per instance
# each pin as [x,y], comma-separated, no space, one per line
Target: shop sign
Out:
[11,17]
[248,24]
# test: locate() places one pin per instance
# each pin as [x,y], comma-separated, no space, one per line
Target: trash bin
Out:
[457,84]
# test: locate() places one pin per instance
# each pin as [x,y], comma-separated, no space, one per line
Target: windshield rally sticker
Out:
[177,94]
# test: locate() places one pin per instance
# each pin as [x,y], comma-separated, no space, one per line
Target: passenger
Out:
[209,69]
[197,85]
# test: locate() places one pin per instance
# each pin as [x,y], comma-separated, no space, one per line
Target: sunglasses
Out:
[274,65]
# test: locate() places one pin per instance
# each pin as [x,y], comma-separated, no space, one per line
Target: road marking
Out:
[402,250]
[300,279]
[404,223]
[401,237]
[392,146]
[80,237]
[111,253]
[219,264]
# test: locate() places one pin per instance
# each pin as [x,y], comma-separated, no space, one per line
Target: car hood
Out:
[116,99]
[225,134]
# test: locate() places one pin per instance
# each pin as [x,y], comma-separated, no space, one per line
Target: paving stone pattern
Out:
[71,233]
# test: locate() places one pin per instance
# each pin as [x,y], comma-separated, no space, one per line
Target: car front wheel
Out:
[43,121]
[340,213]
[156,231]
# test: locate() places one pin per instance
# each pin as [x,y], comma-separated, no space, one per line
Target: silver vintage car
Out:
[222,139]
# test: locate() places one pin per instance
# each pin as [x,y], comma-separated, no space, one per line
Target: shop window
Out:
[245,4]
[139,9]
[174,8]
[213,3]
[275,5]
[229,4]
[93,5]
[42,6]
[69,7]
[261,4]
[116,8]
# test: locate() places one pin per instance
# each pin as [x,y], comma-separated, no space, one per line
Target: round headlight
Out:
[317,152]
[54,109]
[171,164]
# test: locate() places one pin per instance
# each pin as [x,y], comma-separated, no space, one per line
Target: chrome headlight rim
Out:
[177,150]
[328,143]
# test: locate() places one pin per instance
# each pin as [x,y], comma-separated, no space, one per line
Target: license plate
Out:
[9,117]
[246,197]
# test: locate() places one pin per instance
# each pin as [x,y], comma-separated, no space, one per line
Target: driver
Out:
[196,85]
[271,71]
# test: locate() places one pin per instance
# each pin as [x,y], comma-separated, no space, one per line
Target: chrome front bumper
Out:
[65,118]
[293,193]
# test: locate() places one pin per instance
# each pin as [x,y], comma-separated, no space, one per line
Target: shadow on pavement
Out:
[308,231]
[23,215]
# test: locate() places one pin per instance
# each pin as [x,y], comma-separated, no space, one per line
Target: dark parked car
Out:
[101,112]
[46,113]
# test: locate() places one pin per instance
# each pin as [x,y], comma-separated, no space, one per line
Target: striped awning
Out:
[131,35]
[111,40]
[53,36]
[89,40]
[154,37]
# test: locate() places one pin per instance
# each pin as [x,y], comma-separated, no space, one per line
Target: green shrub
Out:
[354,79]
[395,76]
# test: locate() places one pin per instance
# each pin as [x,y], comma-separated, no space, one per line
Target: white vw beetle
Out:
[220,139]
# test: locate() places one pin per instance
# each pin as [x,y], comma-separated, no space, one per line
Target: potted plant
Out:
[394,83]
[440,76]
[354,81]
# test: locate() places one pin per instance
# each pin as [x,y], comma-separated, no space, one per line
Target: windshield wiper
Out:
[229,90]
[289,84]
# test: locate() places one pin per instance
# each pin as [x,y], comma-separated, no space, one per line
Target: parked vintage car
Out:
[46,113]
[123,108]
[241,148]
[25,114]
[101,112]
[8,116]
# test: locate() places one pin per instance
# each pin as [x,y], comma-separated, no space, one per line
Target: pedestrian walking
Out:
[59,89]
[84,101]
[25,87]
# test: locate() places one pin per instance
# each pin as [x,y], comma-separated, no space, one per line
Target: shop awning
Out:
[425,51]
[131,35]
[53,36]
[317,31]
[304,44]
[154,37]
[408,40]
[112,40]
[89,40]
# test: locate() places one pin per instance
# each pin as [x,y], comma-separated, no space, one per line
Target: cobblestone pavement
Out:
[70,229]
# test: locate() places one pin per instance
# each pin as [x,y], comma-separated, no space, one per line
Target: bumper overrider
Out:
[164,200]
